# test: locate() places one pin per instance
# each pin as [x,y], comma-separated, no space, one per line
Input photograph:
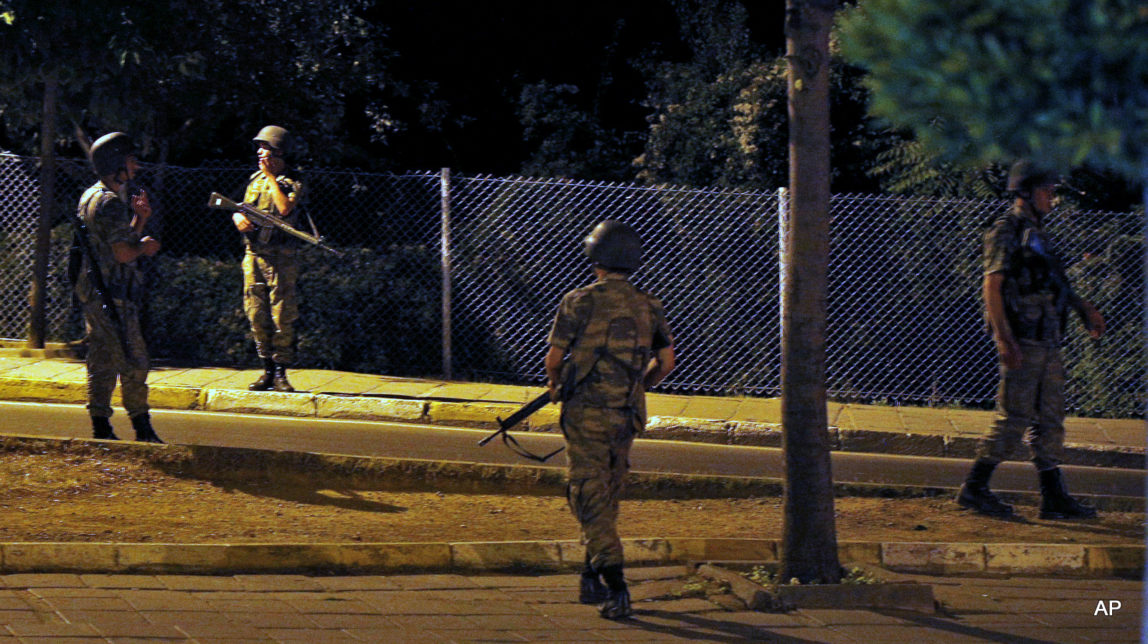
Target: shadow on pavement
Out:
[692,625]
[948,626]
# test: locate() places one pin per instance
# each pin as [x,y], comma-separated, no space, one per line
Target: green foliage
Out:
[859,577]
[714,118]
[988,80]
[909,169]
[569,140]
[727,130]
[722,118]
[767,576]
[371,312]
[367,312]
[195,312]
[199,77]
[762,576]
[1112,278]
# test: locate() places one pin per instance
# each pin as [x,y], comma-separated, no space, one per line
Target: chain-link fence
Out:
[904,320]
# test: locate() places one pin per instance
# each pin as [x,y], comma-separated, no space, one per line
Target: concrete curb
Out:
[871,441]
[237,463]
[51,350]
[926,558]
[484,415]
[923,557]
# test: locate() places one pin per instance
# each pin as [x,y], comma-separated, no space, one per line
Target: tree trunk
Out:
[809,536]
[37,295]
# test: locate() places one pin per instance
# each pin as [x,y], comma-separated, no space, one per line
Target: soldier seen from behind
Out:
[270,265]
[609,343]
[109,242]
[1027,300]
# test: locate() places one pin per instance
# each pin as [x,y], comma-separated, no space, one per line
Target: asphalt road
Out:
[402,440]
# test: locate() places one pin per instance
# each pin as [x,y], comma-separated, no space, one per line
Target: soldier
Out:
[1027,297]
[110,286]
[270,267]
[617,345]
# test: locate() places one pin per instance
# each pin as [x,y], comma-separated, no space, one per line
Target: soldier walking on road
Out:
[111,219]
[270,265]
[1027,298]
[616,345]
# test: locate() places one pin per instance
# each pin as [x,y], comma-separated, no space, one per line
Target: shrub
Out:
[365,312]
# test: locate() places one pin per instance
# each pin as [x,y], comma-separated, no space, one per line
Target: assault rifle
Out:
[1036,242]
[517,417]
[263,218]
[82,248]
[82,245]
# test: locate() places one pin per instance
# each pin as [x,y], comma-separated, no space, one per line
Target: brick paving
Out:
[533,608]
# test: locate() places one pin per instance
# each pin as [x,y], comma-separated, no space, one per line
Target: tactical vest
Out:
[608,360]
[266,237]
[1035,292]
[123,281]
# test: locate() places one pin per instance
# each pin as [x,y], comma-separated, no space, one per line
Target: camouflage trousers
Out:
[598,444]
[106,361]
[270,302]
[1030,399]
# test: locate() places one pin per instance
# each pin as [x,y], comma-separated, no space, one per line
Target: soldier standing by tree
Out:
[270,265]
[1027,297]
[109,231]
[619,345]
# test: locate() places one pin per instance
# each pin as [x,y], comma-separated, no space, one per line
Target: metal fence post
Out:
[1144,272]
[444,187]
[782,258]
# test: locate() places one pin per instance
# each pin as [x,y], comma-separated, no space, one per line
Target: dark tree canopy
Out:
[991,80]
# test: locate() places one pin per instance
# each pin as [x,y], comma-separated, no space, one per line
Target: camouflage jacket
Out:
[1036,291]
[258,194]
[109,221]
[610,330]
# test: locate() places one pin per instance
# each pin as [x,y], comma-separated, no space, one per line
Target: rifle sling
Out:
[96,277]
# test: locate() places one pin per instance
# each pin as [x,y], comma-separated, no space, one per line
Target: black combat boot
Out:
[975,493]
[280,378]
[267,379]
[617,604]
[591,590]
[102,429]
[144,432]
[1055,503]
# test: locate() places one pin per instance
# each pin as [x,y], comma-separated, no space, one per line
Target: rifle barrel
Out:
[522,414]
[267,219]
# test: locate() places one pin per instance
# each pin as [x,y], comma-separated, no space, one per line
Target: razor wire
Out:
[904,321]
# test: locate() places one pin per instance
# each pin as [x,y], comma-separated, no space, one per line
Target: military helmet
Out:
[1024,176]
[277,138]
[110,152]
[614,245]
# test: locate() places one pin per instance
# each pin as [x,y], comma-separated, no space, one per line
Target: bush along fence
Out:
[460,276]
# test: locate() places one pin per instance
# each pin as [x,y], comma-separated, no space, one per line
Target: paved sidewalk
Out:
[520,608]
[103,607]
[733,420]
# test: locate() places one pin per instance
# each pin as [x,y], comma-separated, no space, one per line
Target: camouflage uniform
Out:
[109,221]
[610,330]
[270,270]
[1031,396]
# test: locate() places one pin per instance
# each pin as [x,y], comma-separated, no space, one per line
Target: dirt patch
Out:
[99,495]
